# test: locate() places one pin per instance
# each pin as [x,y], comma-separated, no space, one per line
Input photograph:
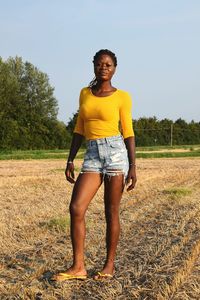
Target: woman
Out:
[110,158]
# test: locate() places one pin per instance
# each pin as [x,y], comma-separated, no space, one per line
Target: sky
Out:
[157,44]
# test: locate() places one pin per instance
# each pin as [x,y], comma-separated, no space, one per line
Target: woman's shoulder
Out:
[83,94]
[124,93]
[85,90]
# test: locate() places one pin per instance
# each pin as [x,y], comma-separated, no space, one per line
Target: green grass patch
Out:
[178,192]
[37,154]
[158,148]
[168,154]
[33,154]
[59,223]
[193,151]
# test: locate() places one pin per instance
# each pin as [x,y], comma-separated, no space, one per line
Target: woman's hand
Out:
[131,178]
[69,172]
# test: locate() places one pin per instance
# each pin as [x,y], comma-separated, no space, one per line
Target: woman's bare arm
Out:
[77,140]
[131,177]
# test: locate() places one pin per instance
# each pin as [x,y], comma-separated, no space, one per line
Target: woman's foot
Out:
[71,273]
[106,273]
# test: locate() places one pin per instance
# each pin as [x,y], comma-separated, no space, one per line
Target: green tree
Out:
[28,108]
[180,132]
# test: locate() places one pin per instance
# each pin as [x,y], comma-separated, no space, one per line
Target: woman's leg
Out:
[112,195]
[84,190]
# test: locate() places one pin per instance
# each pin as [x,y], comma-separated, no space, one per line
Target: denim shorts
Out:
[107,156]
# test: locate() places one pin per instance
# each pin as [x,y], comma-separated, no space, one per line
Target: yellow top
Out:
[99,117]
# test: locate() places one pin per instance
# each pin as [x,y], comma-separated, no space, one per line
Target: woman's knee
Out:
[112,212]
[76,210]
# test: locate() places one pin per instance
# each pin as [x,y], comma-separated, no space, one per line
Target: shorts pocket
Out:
[116,144]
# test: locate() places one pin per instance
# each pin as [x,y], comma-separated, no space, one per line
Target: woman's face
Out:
[104,68]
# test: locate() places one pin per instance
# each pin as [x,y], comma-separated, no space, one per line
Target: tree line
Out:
[152,132]
[28,115]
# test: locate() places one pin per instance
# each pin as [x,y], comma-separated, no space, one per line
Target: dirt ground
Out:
[158,255]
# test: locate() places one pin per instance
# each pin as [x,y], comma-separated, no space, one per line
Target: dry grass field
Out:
[159,250]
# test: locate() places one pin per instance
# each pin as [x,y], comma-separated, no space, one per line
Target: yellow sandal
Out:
[65,276]
[101,276]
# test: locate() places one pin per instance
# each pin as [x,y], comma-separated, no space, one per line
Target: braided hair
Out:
[96,57]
